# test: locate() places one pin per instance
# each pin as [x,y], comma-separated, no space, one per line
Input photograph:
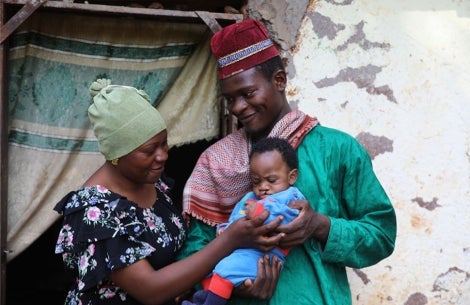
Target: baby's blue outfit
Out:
[242,264]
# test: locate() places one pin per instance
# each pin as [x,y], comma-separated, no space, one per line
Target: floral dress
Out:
[103,231]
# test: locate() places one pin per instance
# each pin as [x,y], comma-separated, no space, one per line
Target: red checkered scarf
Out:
[221,175]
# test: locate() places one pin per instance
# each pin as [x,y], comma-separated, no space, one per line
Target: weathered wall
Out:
[395,74]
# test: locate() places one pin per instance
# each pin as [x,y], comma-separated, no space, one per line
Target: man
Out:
[347,219]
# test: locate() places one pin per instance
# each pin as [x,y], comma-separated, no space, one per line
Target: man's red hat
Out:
[241,46]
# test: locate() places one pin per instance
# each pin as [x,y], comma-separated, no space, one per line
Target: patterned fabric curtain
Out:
[53,58]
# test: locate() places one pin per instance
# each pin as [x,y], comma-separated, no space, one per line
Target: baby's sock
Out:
[213,299]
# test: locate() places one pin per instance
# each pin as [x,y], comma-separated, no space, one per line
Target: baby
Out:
[273,171]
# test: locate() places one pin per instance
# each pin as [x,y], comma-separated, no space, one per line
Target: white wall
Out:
[397,72]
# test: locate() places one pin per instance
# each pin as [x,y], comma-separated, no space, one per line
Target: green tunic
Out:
[336,176]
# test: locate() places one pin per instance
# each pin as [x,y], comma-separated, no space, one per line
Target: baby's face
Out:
[269,173]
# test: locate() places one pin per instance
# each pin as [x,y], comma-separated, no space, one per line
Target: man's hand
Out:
[265,282]
[308,224]
[253,233]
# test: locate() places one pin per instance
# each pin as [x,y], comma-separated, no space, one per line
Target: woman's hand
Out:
[252,233]
[265,282]
[308,224]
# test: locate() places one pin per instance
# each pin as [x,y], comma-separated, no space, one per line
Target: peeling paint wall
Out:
[395,74]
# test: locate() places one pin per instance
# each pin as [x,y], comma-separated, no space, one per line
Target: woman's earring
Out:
[115,161]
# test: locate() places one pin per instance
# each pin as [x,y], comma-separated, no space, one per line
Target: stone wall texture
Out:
[394,74]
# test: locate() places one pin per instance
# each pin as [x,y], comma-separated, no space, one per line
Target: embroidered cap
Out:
[241,46]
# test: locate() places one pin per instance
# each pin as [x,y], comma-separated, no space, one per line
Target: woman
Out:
[121,232]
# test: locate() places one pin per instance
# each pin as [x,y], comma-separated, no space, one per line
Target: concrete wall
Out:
[395,74]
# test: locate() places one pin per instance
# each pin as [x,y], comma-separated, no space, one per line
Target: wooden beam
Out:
[20,17]
[126,10]
[209,21]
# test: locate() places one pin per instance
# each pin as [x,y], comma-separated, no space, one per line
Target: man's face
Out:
[257,103]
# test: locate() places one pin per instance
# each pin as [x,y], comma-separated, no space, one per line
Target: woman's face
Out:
[257,103]
[146,163]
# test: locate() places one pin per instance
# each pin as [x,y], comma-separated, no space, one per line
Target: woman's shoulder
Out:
[95,213]
[85,197]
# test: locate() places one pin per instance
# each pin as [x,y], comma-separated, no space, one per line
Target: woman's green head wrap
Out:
[122,118]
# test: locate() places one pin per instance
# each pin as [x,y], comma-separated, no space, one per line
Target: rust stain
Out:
[428,205]
[417,222]
[362,77]
[295,49]
[375,145]
[312,5]
[417,299]
[293,91]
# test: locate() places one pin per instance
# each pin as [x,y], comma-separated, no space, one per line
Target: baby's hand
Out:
[250,207]
[220,228]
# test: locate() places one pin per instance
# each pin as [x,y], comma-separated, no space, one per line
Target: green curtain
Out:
[53,58]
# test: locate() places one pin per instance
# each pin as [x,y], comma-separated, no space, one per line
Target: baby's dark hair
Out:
[271,143]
